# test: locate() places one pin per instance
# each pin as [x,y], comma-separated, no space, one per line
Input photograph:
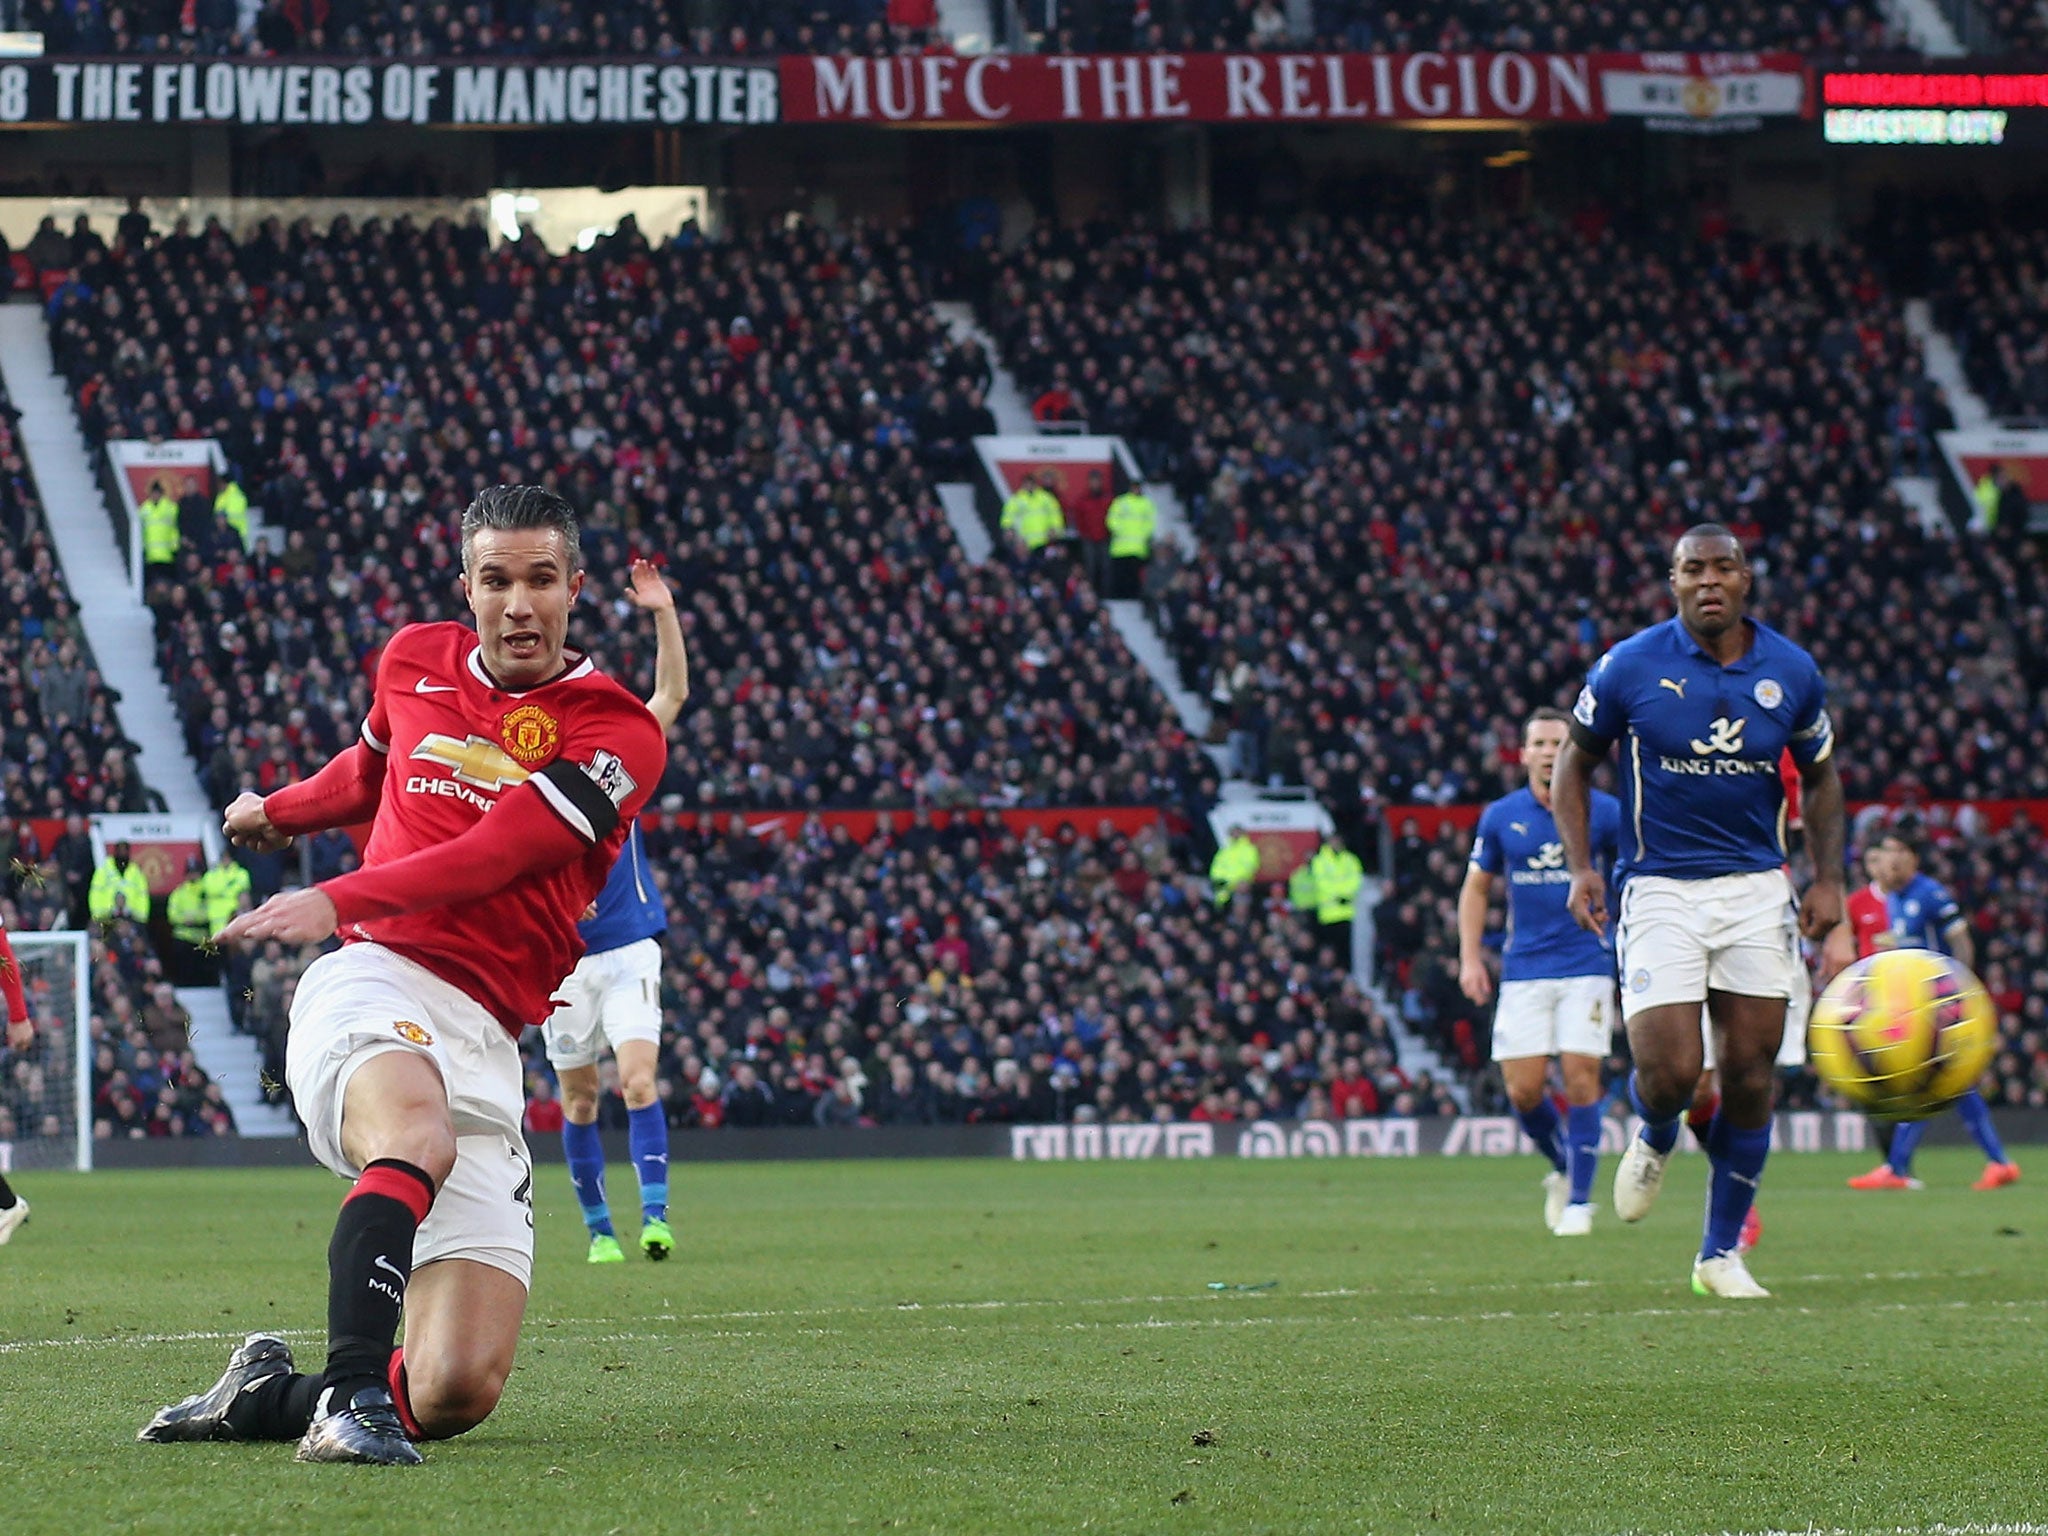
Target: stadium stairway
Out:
[1004,400]
[117,626]
[233,1061]
[1927,26]
[968,24]
[1922,493]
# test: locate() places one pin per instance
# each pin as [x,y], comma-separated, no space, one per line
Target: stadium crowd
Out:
[1436,468]
[844,653]
[1987,298]
[670,29]
[963,974]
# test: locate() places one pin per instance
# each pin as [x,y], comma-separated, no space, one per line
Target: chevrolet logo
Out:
[473,761]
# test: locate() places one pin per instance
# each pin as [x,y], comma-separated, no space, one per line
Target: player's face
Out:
[1876,866]
[1541,743]
[1901,865]
[519,586]
[1710,578]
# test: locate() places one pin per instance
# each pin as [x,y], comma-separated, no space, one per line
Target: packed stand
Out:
[1985,289]
[145,1080]
[521,29]
[843,651]
[965,975]
[668,29]
[1436,471]
[61,749]
[1454,26]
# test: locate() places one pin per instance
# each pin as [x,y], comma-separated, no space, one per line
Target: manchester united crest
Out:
[405,1029]
[530,734]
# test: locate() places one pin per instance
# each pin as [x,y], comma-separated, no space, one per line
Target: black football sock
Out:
[7,1195]
[278,1408]
[368,1264]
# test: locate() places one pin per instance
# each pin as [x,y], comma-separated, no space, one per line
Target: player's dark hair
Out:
[520,507]
[1899,837]
[1547,712]
[1700,532]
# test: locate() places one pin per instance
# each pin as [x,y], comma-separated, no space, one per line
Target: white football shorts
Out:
[608,998]
[364,1000]
[1791,1049]
[1677,940]
[1571,1015]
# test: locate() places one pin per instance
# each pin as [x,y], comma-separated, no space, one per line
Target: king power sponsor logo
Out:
[1460,1136]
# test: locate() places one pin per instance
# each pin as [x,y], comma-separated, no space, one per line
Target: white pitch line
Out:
[574,1331]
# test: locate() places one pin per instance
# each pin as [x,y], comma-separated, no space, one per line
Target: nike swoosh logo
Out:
[423,686]
[383,1263]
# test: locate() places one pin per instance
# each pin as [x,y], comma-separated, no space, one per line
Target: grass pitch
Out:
[986,1346]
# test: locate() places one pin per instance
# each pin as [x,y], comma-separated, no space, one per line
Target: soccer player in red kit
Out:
[503,773]
[20,1034]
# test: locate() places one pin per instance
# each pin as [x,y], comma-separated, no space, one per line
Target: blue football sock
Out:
[1905,1142]
[1582,1135]
[585,1152]
[1662,1135]
[1977,1116]
[1545,1130]
[1738,1164]
[647,1137]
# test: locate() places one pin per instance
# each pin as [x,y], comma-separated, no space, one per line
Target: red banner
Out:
[1939,819]
[1088,820]
[1265,87]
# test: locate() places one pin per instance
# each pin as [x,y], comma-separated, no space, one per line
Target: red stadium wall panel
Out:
[1940,820]
[2021,451]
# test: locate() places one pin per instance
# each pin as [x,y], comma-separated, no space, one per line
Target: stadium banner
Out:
[177,469]
[1070,459]
[1974,452]
[1002,89]
[1800,1131]
[1705,93]
[357,93]
[1286,832]
[160,843]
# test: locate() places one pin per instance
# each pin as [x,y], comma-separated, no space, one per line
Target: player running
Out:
[1557,980]
[1902,908]
[1703,704]
[502,774]
[613,997]
[21,1035]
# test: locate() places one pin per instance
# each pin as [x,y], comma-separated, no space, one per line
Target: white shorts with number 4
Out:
[1566,1015]
[608,998]
[364,1001]
[1678,940]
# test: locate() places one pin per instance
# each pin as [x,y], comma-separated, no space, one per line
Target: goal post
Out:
[46,1092]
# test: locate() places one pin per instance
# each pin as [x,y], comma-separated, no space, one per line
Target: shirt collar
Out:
[1692,647]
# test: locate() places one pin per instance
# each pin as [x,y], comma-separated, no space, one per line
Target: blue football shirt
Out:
[1517,839]
[629,907]
[1921,913]
[1700,744]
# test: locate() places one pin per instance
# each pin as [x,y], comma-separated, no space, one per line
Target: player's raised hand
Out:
[1588,901]
[1475,980]
[646,587]
[292,917]
[1821,909]
[20,1034]
[247,825]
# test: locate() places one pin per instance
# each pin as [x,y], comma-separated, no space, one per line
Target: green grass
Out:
[985,1346]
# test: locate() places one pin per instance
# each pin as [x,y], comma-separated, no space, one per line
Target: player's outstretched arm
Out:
[1571,802]
[341,794]
[1473,977]
[1821,909]
[20,1032]
[650,592]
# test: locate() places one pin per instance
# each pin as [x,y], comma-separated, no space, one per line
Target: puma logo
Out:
[1677,687]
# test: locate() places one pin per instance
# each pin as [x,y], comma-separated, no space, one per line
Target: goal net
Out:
[46,1091]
